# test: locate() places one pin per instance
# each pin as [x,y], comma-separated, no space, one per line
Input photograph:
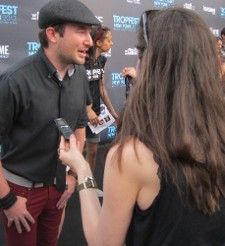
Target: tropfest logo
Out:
[32,48]
[4,51]
[111,132]
[8,14]
[125,23]
[118,80]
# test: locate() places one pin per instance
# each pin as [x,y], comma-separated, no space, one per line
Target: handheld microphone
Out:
[127,85]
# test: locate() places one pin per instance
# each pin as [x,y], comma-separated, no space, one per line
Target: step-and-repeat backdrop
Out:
[19,34]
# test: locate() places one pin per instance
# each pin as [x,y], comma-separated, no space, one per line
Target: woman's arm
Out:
[92,116]
[136,181]
[105,98]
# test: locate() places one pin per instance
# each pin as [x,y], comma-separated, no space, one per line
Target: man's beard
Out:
[70,60]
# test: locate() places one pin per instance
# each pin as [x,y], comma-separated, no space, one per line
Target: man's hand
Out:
[71,183]
[19,215]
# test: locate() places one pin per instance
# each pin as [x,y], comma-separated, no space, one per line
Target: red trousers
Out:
[41,204]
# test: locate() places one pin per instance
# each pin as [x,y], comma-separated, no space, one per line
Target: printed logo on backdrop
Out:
[131,52]
[189,6]
[222,12]
[108,54]
[4,51]
[209,10]
[35,16]
[134,1]
[8,14]
[111,132]
[215,32]
[163,3]
[118,80]
[125,23]
[100,18]
[32,48]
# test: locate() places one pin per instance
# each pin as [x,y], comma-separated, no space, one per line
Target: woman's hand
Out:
[129,71]
[70,154]
[93,117]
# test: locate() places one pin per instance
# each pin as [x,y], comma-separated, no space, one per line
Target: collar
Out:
[70,72]
[52,71]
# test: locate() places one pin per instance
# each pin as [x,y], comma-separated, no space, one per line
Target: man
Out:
[223,40]
[33,93]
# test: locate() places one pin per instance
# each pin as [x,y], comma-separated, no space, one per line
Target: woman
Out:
[164,176]
[219,45]
[130,73]
[102,42]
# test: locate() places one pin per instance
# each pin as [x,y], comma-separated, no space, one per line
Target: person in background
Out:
[164,179]
[95,63]
[219,46]
[222,70]
[131,73]
[34,187]
[222,33]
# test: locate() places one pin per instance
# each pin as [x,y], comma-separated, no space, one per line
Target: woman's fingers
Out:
[62,143]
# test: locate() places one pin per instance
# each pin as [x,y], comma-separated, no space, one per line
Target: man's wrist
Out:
[8,201]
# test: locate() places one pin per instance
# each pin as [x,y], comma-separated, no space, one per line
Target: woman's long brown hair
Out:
[177,107]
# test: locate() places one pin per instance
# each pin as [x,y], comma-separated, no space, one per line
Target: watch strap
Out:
[89,183]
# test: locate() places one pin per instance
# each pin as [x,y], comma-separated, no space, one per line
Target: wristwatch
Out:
[88,183]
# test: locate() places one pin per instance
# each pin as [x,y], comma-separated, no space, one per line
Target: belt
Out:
[16,179]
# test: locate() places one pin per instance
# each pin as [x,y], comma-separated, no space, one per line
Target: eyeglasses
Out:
[144,23]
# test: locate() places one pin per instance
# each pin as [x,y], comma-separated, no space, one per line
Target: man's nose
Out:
[89,40]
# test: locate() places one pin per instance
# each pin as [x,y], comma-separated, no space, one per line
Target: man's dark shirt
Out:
[31,97]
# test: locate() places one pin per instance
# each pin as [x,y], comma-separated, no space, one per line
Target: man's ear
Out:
[51,34]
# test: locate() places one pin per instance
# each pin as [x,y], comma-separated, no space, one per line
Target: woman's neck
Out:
[97,53]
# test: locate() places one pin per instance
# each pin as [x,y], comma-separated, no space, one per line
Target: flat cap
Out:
[65,11]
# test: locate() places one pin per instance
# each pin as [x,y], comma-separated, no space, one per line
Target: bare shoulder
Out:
[136,159]
[138,166]
[134,150]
